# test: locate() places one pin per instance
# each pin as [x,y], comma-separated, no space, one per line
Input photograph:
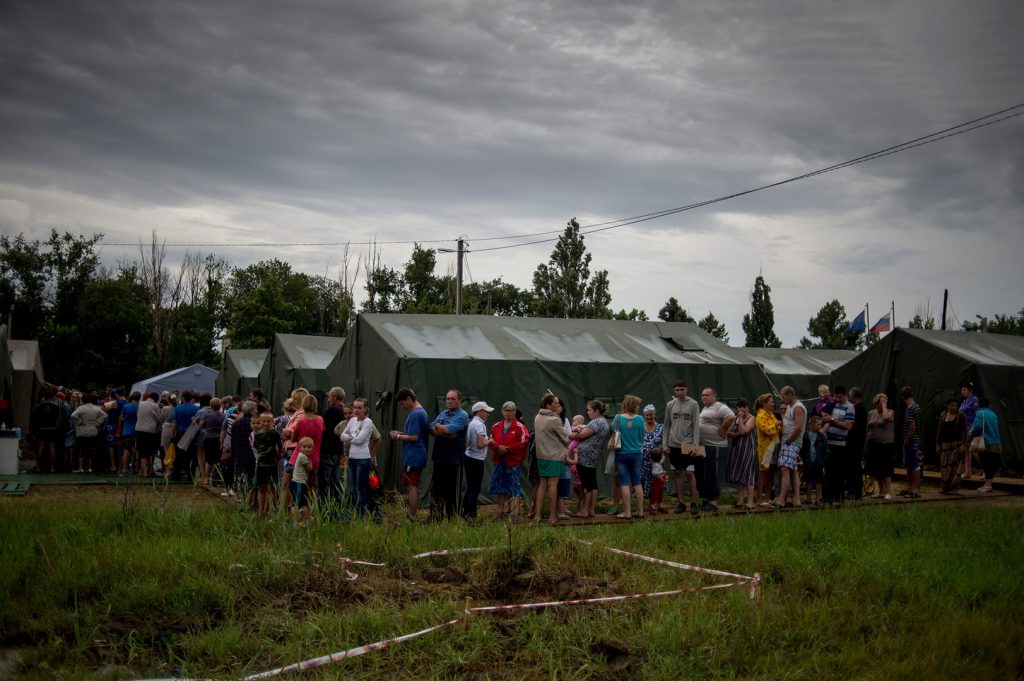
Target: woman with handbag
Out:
[629,459]
[592,440]
[989,447]
[768,429]
[950,445]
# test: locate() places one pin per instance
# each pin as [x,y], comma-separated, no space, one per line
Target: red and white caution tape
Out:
[345,654]
[743,580]
[604,599]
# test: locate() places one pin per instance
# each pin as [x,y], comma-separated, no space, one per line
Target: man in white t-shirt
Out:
[715,421]
[477,442]
[794,423]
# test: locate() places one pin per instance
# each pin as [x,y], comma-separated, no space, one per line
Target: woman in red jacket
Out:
[508,452]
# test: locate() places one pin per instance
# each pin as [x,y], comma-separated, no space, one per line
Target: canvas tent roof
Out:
[27,378]
[6,368]
[300,361]
[240,370]
[802,369]
[195,378]
[508,358]
[935,364]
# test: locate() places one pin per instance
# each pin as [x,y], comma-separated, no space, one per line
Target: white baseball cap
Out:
[482,405]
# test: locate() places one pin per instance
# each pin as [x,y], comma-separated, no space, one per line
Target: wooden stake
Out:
[469,608]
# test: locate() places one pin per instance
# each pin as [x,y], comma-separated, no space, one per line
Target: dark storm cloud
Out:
[416,119]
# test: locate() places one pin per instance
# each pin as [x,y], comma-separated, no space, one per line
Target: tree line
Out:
[141,317]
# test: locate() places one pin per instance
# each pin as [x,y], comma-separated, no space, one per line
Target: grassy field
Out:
[150,581]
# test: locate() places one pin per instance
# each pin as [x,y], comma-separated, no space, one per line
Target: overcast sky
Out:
[252,122]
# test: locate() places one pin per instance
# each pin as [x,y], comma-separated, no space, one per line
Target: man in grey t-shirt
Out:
[681,417]
[715,420]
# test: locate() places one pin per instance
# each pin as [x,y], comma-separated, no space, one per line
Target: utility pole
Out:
[945,302]
[458,285]
[458,290]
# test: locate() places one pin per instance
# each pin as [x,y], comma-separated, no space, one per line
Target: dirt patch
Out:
[183,496]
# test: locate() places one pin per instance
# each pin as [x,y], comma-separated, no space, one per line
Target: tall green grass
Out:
[145,587]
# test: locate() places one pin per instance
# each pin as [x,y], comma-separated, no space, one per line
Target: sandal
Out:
[623,516]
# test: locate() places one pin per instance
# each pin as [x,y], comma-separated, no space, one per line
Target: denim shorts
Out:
[910,459]
[628,466]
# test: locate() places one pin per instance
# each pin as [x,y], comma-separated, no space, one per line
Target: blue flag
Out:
[859,323]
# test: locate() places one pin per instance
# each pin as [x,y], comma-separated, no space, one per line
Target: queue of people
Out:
[783,457]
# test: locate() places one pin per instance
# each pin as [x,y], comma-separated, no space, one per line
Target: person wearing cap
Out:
[477,443]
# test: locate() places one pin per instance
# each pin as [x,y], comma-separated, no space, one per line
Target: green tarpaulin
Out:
[300,361]
[240,371]
[6,381]
[507,358]
[27,365]
[935,364]
[804,370]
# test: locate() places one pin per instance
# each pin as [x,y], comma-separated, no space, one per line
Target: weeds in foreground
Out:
[147,587]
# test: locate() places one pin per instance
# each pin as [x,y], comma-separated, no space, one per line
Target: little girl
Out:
[577,484]
[814,466]
[658,479]
[300,481]
[565,483]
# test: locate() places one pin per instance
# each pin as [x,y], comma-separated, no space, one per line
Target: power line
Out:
[905,146]
[623,222]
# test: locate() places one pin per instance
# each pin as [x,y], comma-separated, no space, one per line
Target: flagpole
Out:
[892,319]
[867,318]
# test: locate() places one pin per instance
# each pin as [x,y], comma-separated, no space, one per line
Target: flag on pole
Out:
[858,324]
[883,324]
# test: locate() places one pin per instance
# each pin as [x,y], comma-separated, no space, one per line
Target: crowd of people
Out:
[788,456]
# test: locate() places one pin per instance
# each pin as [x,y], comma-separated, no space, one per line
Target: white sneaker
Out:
[888,497]
[984,489]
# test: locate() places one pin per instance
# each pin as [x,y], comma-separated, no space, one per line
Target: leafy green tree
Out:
[633,315]
[673,312]
[564,288]
[268,297]
[759,325]
[496,297]
[1011,325]
[43,280]
[114,332]
[23,281]
[714,327]
[829,327]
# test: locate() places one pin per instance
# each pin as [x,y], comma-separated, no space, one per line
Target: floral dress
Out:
[651,440]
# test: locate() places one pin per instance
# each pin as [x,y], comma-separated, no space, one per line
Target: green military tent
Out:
[510,358]
[27,379]
[935,364]
[6,380]
[240,371]
[300,361]
[802,369]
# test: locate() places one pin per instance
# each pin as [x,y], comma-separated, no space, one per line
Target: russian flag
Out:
[883,324]
[859,323]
